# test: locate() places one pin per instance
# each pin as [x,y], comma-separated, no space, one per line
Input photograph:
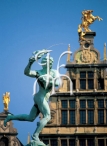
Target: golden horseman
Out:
[88,19]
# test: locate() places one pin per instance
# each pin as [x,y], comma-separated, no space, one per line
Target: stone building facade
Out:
[8,134]
[80,119]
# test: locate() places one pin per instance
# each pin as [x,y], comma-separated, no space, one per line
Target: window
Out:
[82,74]
[106,110]
[4,141]
[82,103]
[72,103]
[64,117]
[101,111]
[90,74]
[72,117]
[53,142]
[72,142]
[100,142]
[101,103]
[63,142]
[90,84]
[82,112]
[64,103]
[82,117]
[87,108]
[68,107]
[100,83]
[87,80]
[100,116]
[90,142]
[82,84]
[74,84]
[90,117]
[82,142]
[90,104]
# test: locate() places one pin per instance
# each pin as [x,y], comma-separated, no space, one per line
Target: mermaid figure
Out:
[41,97]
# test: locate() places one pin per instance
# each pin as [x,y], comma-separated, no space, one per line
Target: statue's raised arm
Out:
[36,55]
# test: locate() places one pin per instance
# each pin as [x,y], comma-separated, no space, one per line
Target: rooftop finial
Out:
[105,58]
[68,56]
[28,139]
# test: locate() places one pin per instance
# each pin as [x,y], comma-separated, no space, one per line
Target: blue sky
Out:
[29,25]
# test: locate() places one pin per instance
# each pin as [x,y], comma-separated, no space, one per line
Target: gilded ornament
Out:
[87,20]
[6,100]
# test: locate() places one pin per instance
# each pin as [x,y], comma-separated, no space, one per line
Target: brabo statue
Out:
[40,98]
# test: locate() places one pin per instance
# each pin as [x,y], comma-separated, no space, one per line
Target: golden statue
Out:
[6,100]
[81,37]
[87,20]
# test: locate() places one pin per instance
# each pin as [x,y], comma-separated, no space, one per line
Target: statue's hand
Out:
[99,18]
[31,59]
[39,53]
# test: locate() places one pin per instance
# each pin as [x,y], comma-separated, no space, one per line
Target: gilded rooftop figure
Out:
[6,100]
[87,19]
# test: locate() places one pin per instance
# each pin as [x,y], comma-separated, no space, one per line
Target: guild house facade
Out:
[80,119]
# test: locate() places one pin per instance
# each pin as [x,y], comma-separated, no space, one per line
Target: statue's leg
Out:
[45,110]
[23,117]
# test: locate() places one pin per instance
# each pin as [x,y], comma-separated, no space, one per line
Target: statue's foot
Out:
[7,119]
[36,143]
[36,140]
[35,137]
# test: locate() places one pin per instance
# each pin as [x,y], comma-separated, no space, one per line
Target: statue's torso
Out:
[44,92]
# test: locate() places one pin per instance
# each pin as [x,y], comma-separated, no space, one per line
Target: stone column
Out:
[58,111]
[76,141]
[77,79]
[77,111]
[95,141]
[95,111]
[59,141]
[95,79]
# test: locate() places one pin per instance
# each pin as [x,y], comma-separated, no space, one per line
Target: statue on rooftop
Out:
[41,97]
[6,100]
[88,19]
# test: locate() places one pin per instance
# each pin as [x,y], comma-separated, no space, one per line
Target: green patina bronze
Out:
[40,98]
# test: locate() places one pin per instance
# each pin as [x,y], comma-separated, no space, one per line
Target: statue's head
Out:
[44,62]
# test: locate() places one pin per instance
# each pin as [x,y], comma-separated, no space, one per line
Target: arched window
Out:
[4,141]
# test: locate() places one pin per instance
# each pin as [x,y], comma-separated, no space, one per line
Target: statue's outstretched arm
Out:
[27,70]
[37,55]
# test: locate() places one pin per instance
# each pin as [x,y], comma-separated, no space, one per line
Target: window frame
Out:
[85,80]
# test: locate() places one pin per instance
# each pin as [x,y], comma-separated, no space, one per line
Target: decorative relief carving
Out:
[86,56]
[15,142]
[4,128]
[53,116]
[73,73]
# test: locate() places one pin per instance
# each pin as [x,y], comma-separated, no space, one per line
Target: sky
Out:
[30,25]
